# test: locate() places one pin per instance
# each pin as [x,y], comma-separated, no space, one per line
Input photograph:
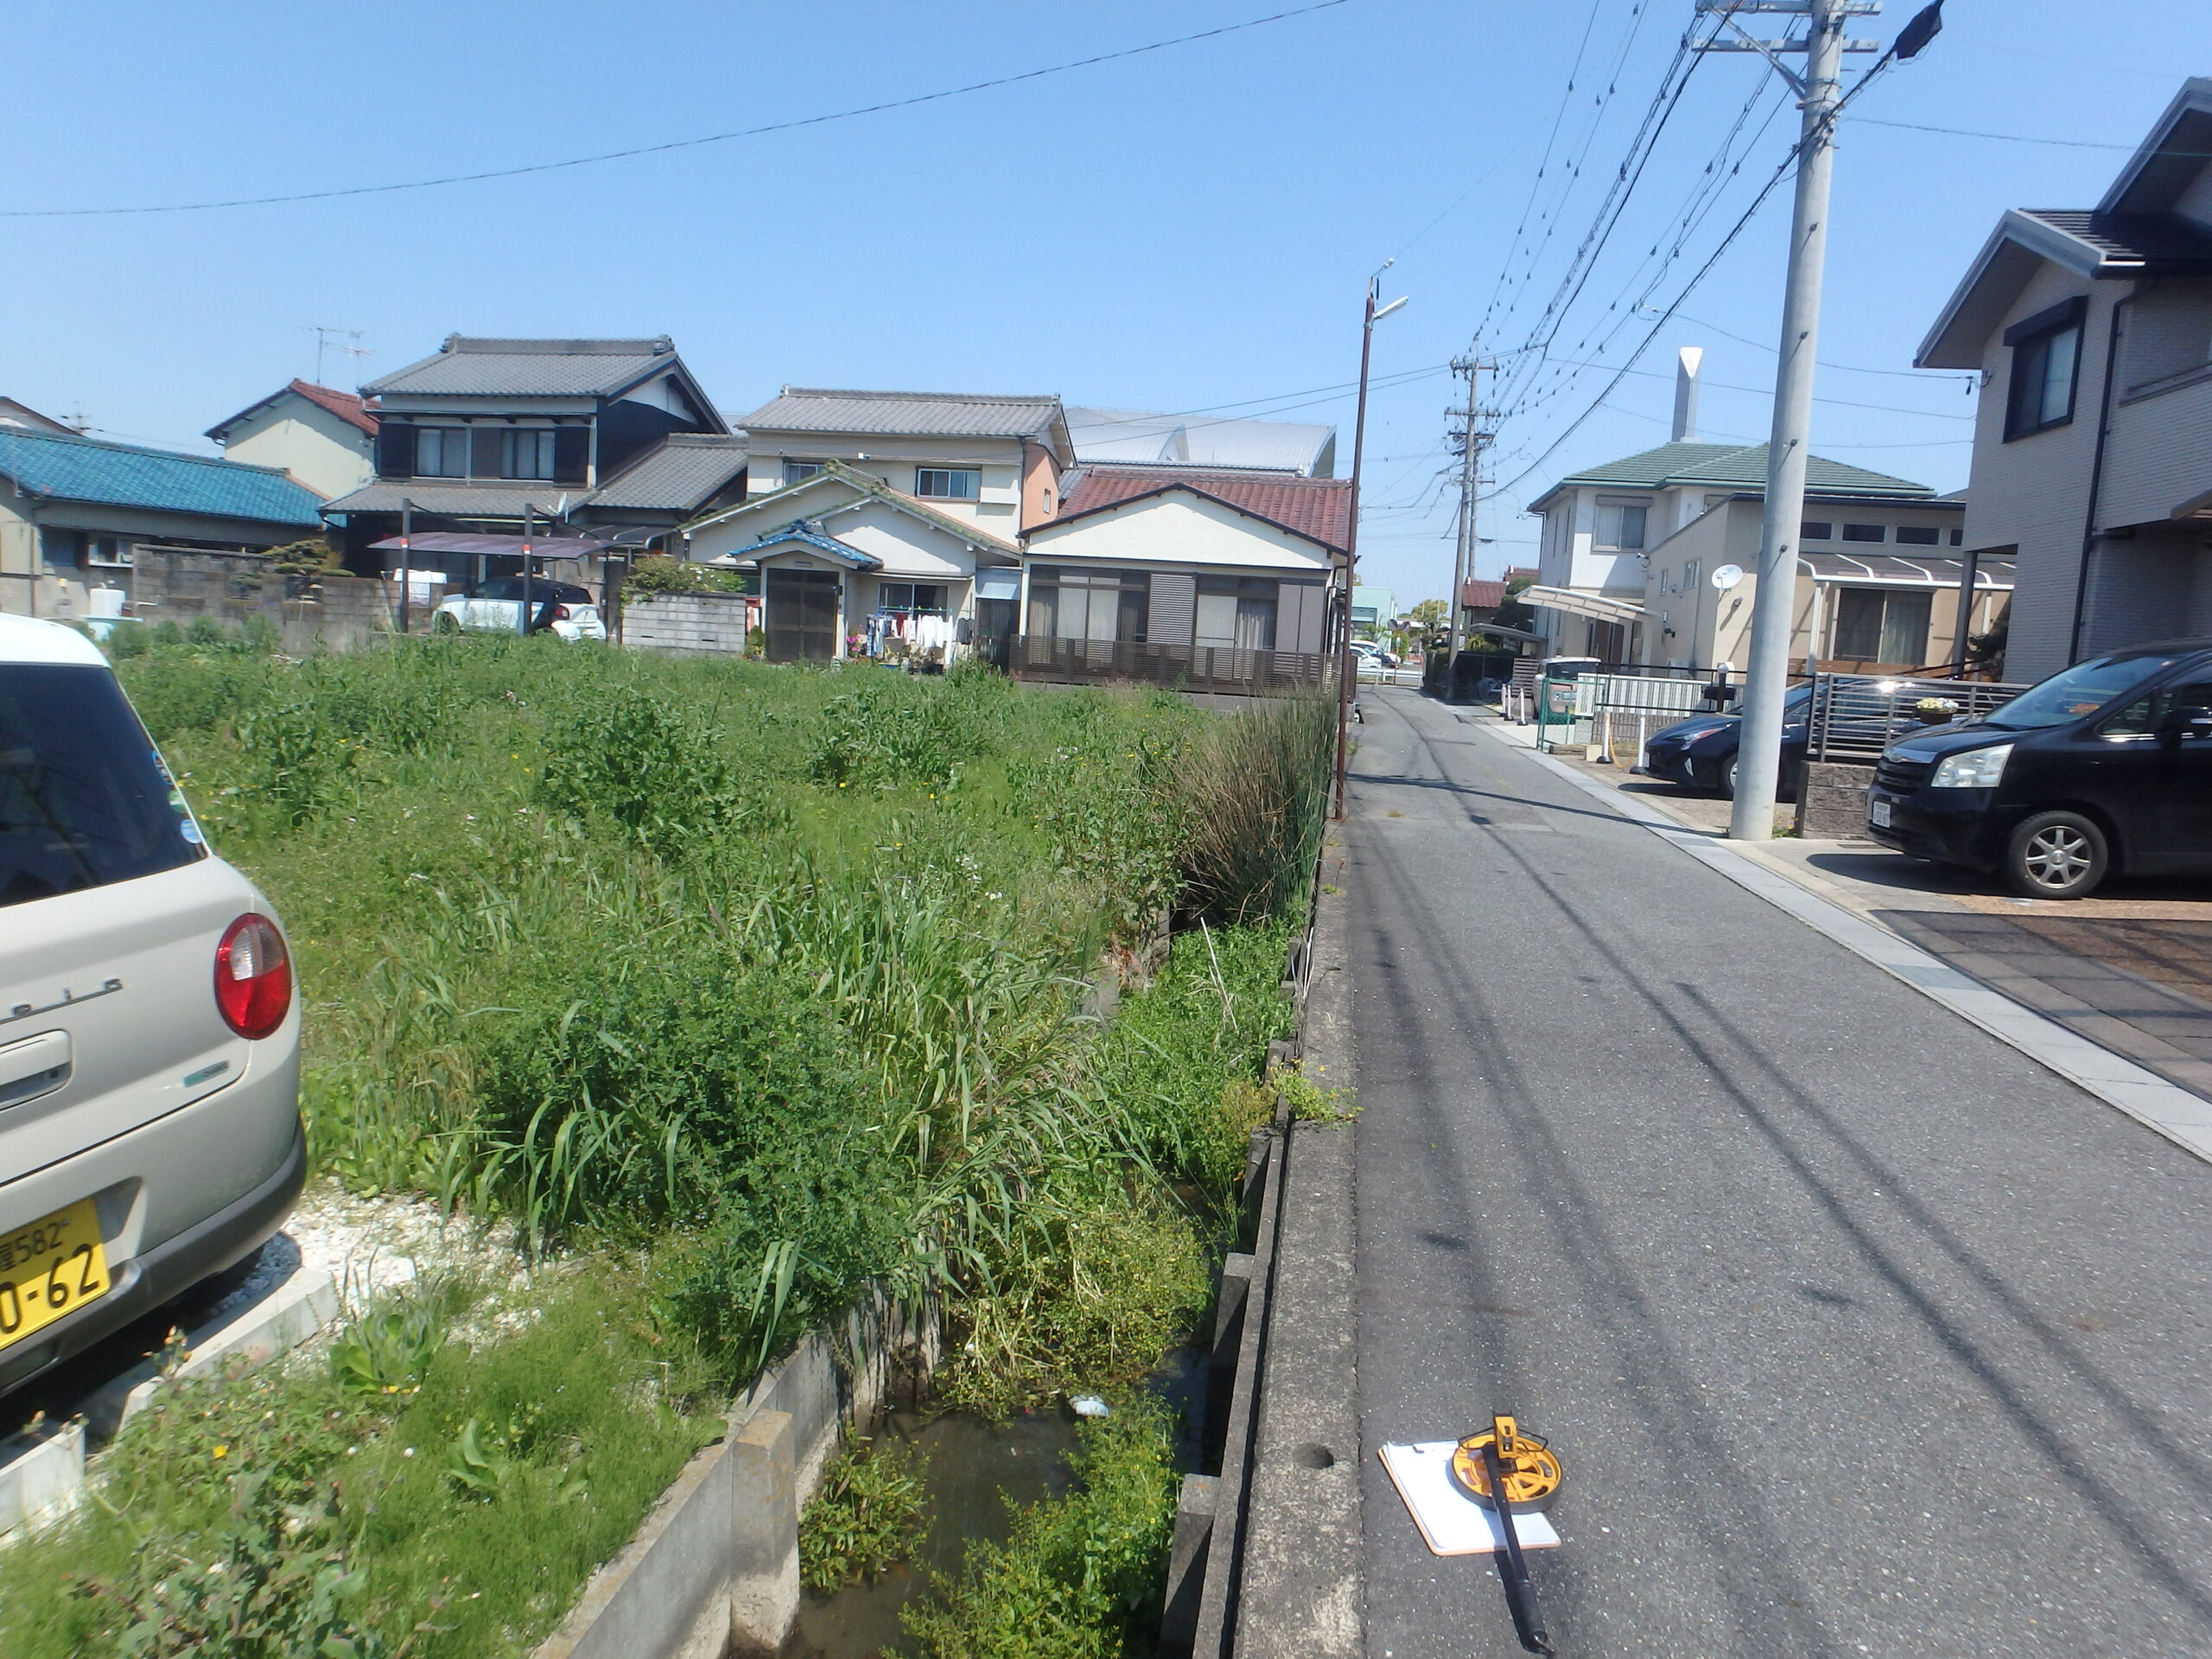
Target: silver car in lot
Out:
[502,606]
[149,1031]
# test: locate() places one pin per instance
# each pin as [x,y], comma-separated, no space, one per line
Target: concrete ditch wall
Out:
[714,1570]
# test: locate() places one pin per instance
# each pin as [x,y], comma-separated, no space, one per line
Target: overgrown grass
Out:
[1080,1576]
[775,975]
[456,1511]
[867,1517]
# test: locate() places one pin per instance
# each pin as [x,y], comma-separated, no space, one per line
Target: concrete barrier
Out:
[41,1478]
[246,1340]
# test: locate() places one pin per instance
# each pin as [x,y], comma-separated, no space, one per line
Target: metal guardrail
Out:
[1855,716]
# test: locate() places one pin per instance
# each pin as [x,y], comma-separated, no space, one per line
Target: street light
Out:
[1373,315]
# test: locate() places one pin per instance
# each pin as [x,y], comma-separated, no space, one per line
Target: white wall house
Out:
[991,461]
[2092,330]
[844,555]
[319,436]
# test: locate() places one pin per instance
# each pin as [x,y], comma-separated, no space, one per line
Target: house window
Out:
[948,483]
[1620,527]
[526,452]
[910,597]
[1919,535]
[1958,537]
[1692,570]
[798,471]
[441,452]
[62,550]
[110,552]
[2046,356]
[1103,604]
[1865,532]
[1239,612]
[1815,529]
[1875,626]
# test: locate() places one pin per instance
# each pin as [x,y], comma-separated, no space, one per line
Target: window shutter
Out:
[483,453]
[395,450]
[571,453]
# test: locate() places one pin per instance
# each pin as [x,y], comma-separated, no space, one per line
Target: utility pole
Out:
[1773,607]
[1374,314]
[1463,564]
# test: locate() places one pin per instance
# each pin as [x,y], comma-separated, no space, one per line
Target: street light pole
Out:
[1372,315]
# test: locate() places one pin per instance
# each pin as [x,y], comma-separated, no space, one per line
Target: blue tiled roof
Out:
[123,475]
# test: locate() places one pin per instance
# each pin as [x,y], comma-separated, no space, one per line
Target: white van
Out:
[149,1033]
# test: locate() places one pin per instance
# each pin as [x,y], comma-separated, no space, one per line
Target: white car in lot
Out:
[149,1035]
[498,605]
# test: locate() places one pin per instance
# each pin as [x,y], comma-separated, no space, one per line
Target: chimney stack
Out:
[1685,394]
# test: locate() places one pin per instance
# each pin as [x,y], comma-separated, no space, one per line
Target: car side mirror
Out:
[2177,724]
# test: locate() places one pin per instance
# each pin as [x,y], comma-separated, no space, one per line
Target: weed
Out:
[1080,1577]
[1309,1102]
[388,1350]
[866,1518]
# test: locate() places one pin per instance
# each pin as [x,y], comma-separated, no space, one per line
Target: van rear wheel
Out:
[2056,855]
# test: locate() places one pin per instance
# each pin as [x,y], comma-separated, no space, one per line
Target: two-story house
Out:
[992,461]
[320,436]
[486,435]
[1629,549]
[2092,330]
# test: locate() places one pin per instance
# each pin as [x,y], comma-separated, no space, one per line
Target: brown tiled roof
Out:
[1318,509]
[344,404]
[1481,595]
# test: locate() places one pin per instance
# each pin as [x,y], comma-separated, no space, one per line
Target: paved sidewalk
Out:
[1859,1332]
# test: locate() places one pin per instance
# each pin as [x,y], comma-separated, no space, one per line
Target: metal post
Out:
[527,522]
[1965,623]
[406,559]
[1773,606]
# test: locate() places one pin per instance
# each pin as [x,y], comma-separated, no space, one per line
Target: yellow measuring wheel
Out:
[1529,1470]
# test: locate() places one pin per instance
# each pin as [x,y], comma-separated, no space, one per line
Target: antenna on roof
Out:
[325,342]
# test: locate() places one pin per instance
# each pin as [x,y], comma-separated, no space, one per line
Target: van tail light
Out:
[560,613]
[253,976]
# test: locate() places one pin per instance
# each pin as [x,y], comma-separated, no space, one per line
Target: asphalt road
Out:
[1858,1332]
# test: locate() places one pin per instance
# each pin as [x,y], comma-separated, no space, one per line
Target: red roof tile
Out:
[1318,509]
[1481,595]
[344,404]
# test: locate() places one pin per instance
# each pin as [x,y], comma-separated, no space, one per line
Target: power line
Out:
[1768,391]
[679,143]
[2012,137]
[1924,375]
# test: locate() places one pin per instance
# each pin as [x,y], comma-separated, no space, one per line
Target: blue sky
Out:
[1182,230]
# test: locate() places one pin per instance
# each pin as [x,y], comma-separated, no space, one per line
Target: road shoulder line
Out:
[2165,1108]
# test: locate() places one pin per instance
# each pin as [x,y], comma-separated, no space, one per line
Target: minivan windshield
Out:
[84,799]
[2079,690]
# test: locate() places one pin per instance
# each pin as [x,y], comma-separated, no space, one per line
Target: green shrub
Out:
[1080,1576]
[1255,793]
[652,769]
[867,1517]
[888,734]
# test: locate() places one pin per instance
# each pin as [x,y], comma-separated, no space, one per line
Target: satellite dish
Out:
[1728,576]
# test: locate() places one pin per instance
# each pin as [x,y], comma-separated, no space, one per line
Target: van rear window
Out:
[84,799]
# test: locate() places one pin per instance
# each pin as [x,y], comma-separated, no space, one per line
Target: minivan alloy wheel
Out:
[2057,855]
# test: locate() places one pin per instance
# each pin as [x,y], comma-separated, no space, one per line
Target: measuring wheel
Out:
[1529,1470]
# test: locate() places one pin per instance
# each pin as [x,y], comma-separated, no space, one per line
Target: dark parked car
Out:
[2105,767]
[1699,752]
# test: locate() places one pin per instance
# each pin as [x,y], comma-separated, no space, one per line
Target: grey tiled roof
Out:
[681,473]
[916,414]
[467,367]
[1739,467]
[2131,238]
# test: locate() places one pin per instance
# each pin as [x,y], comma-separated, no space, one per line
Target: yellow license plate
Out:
[48,1269]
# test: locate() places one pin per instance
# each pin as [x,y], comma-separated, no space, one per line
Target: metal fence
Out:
[1218,668]
[1855,716]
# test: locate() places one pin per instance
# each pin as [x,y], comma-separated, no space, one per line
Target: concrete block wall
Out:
[340,613]
[176,585]
[697,624]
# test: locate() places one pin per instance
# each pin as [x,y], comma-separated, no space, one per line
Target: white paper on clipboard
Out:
[1451,1523]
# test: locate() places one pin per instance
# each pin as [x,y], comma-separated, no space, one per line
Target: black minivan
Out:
[2105,767]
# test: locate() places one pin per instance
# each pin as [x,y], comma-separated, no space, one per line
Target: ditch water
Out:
[976,1470]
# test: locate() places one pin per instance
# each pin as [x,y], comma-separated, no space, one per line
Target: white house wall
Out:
[329,455]
[1181,530]
[893,460]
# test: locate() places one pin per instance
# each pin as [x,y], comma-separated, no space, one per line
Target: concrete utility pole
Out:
[1463,564]
[1374,314]
[1773,606]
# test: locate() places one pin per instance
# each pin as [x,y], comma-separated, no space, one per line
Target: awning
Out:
[1574,603]
[505,547]
[1991,574]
